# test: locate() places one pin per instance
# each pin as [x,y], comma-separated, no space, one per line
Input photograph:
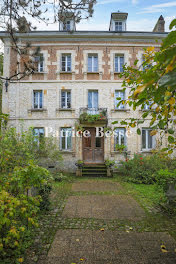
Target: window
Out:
[119,137]
[118,26]
[37,99]
[118,63]
[38,133]
[66,138]
[145,65]
[67,25]
[148,141]
[65,99]
[119,95]
[93,102]
[93,63]
[66,62]
[147,106]
[39,63]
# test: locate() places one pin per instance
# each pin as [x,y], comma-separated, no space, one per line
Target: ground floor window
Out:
[119,137]
[66,138]
[39,133]
[148,141]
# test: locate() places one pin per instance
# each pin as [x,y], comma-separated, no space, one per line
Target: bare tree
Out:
[19,16]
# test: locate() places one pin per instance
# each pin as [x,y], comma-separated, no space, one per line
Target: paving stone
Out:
[96,186]
[110,247]
[103,207]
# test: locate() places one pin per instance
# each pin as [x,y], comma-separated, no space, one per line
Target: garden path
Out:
[99,224]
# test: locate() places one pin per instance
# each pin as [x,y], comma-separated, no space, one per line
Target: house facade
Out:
[74,92]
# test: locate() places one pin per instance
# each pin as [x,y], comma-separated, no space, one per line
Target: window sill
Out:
[120,110]
[93,72]
[146,150]
[65,72]
[68,152]
[65,109]
[117,72]
[37,110]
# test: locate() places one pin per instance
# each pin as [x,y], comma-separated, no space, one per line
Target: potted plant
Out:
[120,148]
[109,163]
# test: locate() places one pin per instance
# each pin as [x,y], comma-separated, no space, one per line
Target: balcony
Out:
[93,116]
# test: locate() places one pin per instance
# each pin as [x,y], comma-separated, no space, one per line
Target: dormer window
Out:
[67,25]
[118,26]
[118,21]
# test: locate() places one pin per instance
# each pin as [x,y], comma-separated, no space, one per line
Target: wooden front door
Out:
[93,147]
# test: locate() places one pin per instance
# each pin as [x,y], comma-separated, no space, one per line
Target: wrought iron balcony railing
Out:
[92,115]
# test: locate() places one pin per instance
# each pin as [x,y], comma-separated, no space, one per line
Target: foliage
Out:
[92,118]
[163,177]
[109,163]
[19,149]
[79,163]
[153,83]
[142,169]
[24,189]
[120,148]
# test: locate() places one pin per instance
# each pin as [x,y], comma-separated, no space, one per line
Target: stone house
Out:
[76,88]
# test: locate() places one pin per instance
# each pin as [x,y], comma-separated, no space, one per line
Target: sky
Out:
[142,14]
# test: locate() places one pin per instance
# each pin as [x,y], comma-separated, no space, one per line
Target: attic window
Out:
[67,25]
[118,26]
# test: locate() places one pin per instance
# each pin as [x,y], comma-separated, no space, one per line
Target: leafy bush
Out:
[163,177]
[24,189]
[142,169]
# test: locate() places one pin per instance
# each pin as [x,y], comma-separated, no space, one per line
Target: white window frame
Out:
[121,94]
[147,132]
[66,55]
[40,63]
[38,103]
[119,131]
[69,129]
[118,57]
[93,65]
[118,26]
[93,110]
[66,97]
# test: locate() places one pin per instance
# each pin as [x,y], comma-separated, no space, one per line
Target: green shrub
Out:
[163,177]
[142,169]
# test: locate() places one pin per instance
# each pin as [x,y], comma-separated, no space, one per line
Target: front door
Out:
[93,147]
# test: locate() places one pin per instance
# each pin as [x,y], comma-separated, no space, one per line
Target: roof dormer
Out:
[67,22]
[118,21]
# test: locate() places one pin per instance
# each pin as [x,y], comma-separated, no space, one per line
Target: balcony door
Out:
[93,147]
[93,102]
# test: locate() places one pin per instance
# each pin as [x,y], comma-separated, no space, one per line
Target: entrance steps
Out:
[94,170]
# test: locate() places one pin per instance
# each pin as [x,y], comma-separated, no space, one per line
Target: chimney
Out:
[160,25]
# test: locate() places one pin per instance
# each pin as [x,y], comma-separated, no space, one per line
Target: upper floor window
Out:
[118,63]
[119,137]
[67,25]
[92,62]
[93,102]
[119,95]
[147,106]
[39,63]
[148,141]
[66,62]
[37,99]
[66,138]
[118,26]
[66,99]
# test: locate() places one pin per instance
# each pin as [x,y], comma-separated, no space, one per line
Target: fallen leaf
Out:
[81,259]
[163,249]
[77,240]
[102,229]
